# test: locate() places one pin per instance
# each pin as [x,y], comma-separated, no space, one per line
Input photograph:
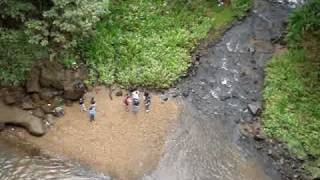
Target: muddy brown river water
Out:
[205,143]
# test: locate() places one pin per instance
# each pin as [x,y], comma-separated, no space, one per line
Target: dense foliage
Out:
[59,26]
[302,22]
[292,89]
[66,24]
[143,43]
[16,56]
[148,43]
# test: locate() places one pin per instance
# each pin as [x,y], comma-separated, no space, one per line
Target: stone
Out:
[50,119]
[35,98]
[119,93]
[13,95]
[254,108]
[270,152]
[58,111]
[259,137]
[38,113]
[52,75]
[8,99]
[185,94]
[33,83]
[73,91]
[27,106]
[47,94]
[47,108]
[15,116]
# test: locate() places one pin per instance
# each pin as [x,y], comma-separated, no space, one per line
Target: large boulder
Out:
[15,116]
[74,90]
[13,96]
[74,87]
[33,84]
[48,94]
[52,75]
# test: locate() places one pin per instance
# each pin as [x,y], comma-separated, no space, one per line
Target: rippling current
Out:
[21,165]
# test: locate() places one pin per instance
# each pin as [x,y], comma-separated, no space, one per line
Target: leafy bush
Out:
[302,21]
[148,43]
[16,56]
[241,6]
[65,24]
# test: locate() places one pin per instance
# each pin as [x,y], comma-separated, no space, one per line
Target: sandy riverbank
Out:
[119,143]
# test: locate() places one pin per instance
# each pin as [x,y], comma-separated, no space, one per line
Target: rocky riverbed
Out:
[223,102]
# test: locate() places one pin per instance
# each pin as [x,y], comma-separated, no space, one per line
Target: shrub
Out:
[148,43]
[17,56]
[302,21]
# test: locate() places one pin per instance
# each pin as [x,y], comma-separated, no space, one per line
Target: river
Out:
[206,143]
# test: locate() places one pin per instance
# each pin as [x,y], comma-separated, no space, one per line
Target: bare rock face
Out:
[74,87]
[33,83]
[51,75]
[13,96]
[15,116]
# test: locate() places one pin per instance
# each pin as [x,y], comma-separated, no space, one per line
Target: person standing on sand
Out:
[126,102]
[92,113]
[93,102]
[147,101]
[136,101]
[82,105]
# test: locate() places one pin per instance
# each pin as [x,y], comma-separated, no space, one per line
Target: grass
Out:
[16,56]
[148,43]
[292,108]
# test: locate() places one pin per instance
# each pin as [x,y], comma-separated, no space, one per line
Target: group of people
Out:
[92,108]
[130,99]
[134,98]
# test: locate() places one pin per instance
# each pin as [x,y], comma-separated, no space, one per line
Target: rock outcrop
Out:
[49,79]
[15,116]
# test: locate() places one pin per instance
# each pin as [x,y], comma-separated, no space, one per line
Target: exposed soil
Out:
[119,143]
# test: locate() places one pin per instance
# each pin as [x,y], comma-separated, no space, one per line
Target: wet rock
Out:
[38,113]
[52,75]
[254,108]
[259,137]
[13,95]
[185,94]
[15,116]
[33,83]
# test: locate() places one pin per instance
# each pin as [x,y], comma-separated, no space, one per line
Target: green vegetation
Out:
[17,56]
[292,89]
[148,43]
[140,43]
[32,30]
[292,102]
